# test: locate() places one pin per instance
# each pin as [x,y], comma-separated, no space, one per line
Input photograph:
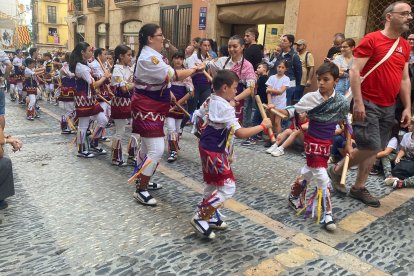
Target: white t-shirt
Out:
[393,143]
[408,144]
[276,83]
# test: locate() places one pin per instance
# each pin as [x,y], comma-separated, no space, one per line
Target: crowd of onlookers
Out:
[282,76]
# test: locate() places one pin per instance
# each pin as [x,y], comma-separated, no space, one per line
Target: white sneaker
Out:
[278,152]
[272,148]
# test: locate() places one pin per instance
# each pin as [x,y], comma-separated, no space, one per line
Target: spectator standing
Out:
[374,99]
[6,170]
[344,62]
[252,53]
[336,47]
[308,69]
[411,66]
[7,66]
[294,70]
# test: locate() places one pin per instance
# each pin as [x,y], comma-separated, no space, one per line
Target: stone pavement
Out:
[76,216]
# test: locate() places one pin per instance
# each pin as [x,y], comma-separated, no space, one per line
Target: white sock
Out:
[328,218]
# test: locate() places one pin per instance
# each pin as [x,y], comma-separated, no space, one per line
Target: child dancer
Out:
[325,109]
[403,172]
[48,77]
[66,96]
[276,93]
[216,122]
[19,75]
[30,86]
[87,107]
[173,120]
[121,104]
[98,67]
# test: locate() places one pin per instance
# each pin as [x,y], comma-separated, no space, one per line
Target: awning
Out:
[253,13]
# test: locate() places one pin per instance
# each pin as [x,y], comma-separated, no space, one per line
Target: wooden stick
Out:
[182,109]
[264,116]
[106,85]
[346,162]
[277,113]
[184,99]
[345,170]
[103,99]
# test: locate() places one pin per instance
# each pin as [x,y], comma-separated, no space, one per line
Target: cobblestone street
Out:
[77,216]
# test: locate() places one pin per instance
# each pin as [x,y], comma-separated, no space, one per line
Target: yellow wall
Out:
[61,24]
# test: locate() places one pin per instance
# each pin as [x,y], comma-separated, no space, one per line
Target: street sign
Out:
[202,18]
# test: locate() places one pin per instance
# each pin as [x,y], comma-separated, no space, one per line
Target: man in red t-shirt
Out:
[374,99]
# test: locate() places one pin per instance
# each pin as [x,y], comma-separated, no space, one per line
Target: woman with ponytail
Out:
[86,105]
[243,69]
[122,84]
[202,85]
[149,106]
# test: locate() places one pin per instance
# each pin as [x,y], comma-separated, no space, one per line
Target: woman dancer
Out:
[66,96]
[150,104]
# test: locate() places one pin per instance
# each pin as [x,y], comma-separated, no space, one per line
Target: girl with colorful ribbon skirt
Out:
[149,106]
[201,80]
[122,84]
[182,91]
[30,87]
[67,97]
[325,109]
[86,105]
[99,67]
[243,69]
[216,124]
[48,76]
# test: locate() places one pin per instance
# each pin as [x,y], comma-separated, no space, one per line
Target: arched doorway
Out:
[130,34]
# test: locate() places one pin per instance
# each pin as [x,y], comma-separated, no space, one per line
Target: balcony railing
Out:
[96,5]
[53,39]
[75,6]
[126,3]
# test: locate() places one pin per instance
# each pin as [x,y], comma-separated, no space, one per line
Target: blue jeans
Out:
[290,93]
[298,93]
[249,103]
[2,101]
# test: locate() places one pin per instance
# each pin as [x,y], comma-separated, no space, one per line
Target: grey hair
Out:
[391,7]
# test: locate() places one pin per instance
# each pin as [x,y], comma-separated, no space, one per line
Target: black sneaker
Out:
[154,186]
[203,228]
[172,157]
[144,198]
[98,150]
[246,143]
[86,154]
[365,196]
[3,204]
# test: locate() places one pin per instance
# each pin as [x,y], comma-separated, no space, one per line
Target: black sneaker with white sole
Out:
[172,157]
[86,154]
[98,150]
[203,228]
[154,186]
[144,198]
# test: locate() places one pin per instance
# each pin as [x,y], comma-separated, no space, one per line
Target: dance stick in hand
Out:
[264,116]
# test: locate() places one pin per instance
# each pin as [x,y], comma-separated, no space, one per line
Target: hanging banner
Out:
[6,38]
[202,18]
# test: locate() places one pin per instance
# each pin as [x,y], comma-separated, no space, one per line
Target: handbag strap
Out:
[390,51]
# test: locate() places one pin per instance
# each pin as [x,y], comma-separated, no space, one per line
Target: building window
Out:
[51,14]
[53,36]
